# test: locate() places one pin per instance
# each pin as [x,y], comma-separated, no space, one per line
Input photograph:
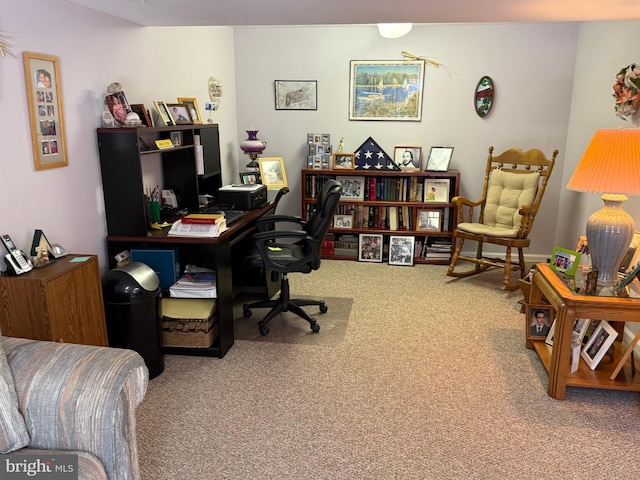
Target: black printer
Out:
[243,197]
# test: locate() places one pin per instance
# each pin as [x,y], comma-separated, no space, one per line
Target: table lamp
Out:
[253,146]
[610,165]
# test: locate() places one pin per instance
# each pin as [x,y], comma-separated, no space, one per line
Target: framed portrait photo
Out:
[386,90]
[564,260]
[370,247]
[401,250]
[44,96]
[343,221]
[439,159]
[352,187]
[598,344]
[539,319]
[408,158]
[343,161]
[179,114]
[194,110]
[163,113]
[249,178]
[272,172]
[296,94]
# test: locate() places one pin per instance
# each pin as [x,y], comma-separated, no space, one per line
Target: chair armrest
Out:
[528,215]
[268,240]
[264,223]
[466,208]
[80,397]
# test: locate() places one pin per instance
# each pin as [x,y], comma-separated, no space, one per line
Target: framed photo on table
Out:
[401,250]
[44,96]
[598,344]
[565,261]
[142,113]
[194,110]
[272,172]
[249,178]
[439,159]
[539,319]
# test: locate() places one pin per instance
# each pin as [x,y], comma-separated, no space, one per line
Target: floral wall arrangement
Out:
[626,91]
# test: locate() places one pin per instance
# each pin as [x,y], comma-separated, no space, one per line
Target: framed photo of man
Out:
[408,158]
[539,319]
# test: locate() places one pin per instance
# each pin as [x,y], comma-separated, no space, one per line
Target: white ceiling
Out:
[348,12]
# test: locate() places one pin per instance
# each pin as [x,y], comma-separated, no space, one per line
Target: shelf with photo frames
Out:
[389,203]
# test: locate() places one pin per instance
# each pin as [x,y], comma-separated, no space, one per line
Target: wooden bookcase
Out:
[383,198]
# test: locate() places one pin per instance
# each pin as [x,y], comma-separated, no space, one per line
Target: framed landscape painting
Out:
[386,90]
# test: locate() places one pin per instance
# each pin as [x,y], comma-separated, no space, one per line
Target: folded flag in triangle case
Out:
[369,156]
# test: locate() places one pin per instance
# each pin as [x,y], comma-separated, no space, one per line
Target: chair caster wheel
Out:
[315,327]
[323,308]
[246,312]
[263,330]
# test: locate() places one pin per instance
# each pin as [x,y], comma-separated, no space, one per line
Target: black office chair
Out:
[299,252]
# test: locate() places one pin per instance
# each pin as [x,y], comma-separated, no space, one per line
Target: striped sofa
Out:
[80,399]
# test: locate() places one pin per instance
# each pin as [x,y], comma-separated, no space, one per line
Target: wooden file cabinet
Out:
[61,302]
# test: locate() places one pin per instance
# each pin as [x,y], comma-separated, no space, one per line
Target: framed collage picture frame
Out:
[296,94]
[598,344]
[408,158]
[352,187]
[565,260]
[539,319]
[370,247]
[439,159]
[44,96]
[401,250]
[436,190]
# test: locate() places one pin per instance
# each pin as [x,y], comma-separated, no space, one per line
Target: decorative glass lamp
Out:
[610,165]
[253,147]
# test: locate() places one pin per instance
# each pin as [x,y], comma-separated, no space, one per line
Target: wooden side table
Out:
[568,306]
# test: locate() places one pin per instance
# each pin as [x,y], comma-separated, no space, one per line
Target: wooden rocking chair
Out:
[514,183]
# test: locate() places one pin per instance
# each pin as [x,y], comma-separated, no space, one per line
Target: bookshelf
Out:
[390,203]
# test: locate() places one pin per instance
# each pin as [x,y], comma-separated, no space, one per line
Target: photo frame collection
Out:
[44,96]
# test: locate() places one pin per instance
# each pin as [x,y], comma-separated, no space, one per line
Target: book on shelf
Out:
[206,218]
[205,230]
[195,285]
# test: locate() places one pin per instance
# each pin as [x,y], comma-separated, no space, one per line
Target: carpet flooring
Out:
[289,328]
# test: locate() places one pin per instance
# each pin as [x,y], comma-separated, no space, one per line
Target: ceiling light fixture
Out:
[394,30]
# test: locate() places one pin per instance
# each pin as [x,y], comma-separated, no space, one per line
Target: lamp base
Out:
[609,234]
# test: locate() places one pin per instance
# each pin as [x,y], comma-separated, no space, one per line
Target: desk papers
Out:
[195,285]
[211,230]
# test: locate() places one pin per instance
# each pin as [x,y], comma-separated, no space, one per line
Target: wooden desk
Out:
[213,253]
[569,306]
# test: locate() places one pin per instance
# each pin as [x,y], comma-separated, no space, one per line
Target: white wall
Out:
[602,51]
[94,50]
[531,65]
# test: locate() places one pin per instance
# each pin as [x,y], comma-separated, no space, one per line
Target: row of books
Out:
[340,245]
[424,247]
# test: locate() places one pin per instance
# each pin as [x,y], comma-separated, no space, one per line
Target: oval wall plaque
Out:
[483,98]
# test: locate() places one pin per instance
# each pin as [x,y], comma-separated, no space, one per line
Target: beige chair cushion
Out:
[507,192]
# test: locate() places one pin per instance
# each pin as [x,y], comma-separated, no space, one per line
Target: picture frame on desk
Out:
[401,250]
[370,247]
[163,113]
[599,344]
[272,172]
[538,315]
[44,96]
[249,178]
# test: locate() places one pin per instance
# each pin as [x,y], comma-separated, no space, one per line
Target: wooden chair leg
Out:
[479,266]
[507,269]
[522,264]
[454,258]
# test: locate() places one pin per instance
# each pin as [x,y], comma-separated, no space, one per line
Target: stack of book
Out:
[438,247]
[195,285]
[199,225]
